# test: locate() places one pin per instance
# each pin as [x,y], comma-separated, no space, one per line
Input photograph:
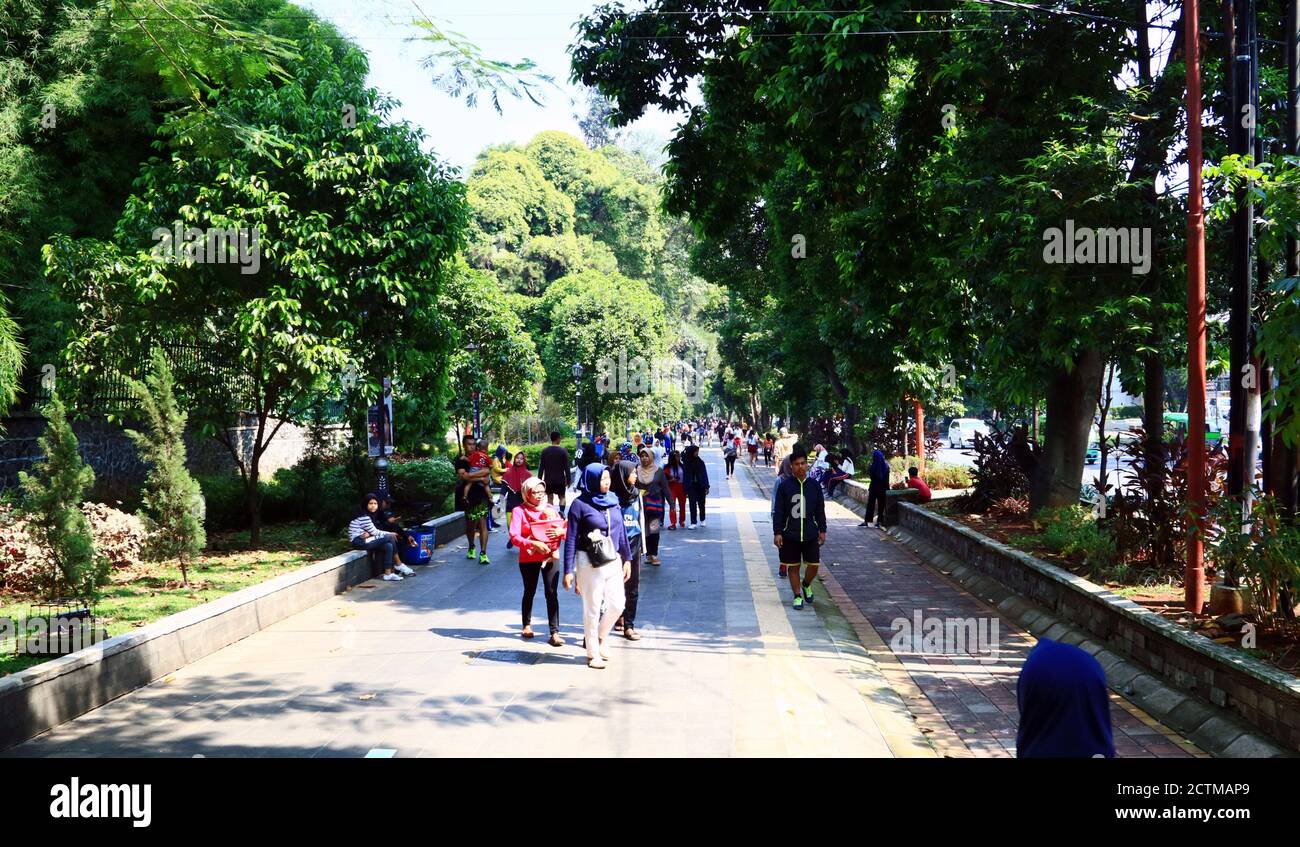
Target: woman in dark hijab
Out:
[878,473]
[1064,705]
[696,482]
[596,521]
[622,482]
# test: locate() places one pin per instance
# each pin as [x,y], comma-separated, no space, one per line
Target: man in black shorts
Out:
[799,525]
[553,468]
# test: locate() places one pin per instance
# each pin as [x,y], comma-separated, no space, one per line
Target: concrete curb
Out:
[42,697]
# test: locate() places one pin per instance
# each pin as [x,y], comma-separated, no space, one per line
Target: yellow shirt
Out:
[498,470]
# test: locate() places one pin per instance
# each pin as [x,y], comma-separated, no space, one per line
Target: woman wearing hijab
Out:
[513,482]
[656,496]
[537,529]
[676,493]
[623,483]
[878,472]
[597,558]
[364,535]
[1064,705]
[696,482]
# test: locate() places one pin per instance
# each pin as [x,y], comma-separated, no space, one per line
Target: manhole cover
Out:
[510,657]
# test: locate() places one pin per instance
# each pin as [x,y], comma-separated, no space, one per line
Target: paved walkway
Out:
[965,701]
[434,666]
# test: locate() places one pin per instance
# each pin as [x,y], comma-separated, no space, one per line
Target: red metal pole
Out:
[920,436]
[1194,572]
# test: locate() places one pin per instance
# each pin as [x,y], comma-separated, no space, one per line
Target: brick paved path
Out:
[965,703]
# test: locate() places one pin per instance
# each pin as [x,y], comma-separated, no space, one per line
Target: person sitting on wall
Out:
[914,481]
[386,521]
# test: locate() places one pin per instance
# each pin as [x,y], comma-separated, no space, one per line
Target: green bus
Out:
[1178,421]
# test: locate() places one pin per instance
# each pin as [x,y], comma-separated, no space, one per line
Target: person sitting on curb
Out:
[364,535]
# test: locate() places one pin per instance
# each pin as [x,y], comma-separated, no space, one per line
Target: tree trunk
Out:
[1071,400]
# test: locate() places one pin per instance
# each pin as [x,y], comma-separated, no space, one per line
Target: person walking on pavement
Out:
[656,495]
[513,481]
[784,446]
[538,530]
[553,468]
[729,453]
[473,498]
[623,484]
[676,492]
[695,479]
[877,489]
[799,527]
[597,559]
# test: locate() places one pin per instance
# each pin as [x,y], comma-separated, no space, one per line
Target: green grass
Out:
[139,596]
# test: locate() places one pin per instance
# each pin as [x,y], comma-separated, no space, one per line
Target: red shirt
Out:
[478,460]
[919,484]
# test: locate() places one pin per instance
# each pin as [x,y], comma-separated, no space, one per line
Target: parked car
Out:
[962,431]
[1093,456]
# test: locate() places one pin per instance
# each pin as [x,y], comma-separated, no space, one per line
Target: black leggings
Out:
[382,549]
[731,464]
[550,585]
[696,501]
[632,588]
[876,501]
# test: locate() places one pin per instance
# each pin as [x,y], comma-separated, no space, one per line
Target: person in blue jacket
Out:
[799,526]
[695,481]
[592,517]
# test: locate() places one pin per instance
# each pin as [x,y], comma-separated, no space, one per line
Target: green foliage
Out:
[503,366]
[356,226]
[1265,553]
[1072,531]
[172,501]
[424,481]
[51,505]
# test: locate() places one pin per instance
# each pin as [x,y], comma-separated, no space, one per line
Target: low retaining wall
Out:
[42,697]
[857,492]
[1257,693]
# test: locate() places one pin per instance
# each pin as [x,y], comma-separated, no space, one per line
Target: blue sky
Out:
[509,30]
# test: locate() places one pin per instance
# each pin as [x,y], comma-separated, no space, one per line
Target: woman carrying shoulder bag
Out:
[597,558]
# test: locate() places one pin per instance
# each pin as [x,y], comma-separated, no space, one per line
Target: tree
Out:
[351,228]
[503,365]
[172,503]
[51,505]
[600,321]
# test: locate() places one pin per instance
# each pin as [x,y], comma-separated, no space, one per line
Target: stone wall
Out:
[119,472]
[1256,692]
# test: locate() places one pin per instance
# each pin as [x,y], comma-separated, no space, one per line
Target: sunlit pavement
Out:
[434,666]
[964,700]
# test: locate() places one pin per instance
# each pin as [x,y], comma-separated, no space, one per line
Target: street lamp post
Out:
[577,401]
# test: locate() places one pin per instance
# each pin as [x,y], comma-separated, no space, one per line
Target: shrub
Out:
[1267,558]
[1071,531]
[51,505]
[224,506]
[172,502]
[423,481]
[938,475]
[118,538]
[336,503]
[1004,464]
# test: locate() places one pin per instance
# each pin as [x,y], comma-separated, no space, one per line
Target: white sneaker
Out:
[596,663]
[404,570]
[690,526]
[392,577]
[702,523]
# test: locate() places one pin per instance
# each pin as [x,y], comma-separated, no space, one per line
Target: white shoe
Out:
[690,526]
[596,663]
[404,570]
[702,523]
[604,653]
[392,577]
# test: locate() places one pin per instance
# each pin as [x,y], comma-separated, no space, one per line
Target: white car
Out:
[962,430]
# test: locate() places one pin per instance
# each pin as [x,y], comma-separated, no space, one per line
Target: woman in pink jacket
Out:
[537,531]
